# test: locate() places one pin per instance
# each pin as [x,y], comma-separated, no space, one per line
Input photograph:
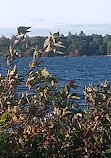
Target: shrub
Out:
[45,121]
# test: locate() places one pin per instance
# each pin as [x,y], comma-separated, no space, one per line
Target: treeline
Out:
[75,44]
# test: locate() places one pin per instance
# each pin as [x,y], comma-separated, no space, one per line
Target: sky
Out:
[53,13]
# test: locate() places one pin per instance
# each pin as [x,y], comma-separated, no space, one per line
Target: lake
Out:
[83,70]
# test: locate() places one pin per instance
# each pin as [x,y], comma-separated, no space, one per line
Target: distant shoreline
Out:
[88,29]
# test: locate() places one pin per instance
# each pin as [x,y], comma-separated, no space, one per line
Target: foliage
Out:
[93,44]
[45,121]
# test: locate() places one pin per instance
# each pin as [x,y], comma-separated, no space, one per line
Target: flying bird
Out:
[22,30]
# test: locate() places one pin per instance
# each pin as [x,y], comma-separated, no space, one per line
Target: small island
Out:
[75,44]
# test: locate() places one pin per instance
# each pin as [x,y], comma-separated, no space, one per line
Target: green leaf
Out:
[108,151]
[88,115]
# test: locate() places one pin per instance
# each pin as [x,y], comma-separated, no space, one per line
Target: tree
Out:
[103,49]
[109,48]
[4,43]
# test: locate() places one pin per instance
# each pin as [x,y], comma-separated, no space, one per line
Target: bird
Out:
[22,30]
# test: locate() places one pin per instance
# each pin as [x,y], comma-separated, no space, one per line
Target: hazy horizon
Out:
[88,29]
[61,25]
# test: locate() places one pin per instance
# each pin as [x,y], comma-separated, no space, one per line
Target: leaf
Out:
[107,117]
[76,116]
[52,83]
[96,118]
[56,124]
[61,137]
[74,97]
[79,124]
[41,94]
[59,45]
[36,53]
[45,73]
[108,151]
[56,34]
[47,42]
[58,52]
[88,115]
[60,42]
[48,49]
[8,61]
[52,37]
[79,114]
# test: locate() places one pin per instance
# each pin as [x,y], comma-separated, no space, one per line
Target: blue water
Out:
[83,70]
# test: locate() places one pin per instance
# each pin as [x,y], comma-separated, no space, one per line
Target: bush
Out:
[45,121]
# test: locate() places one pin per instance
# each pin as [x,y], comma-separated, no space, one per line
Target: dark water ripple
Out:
[83,70]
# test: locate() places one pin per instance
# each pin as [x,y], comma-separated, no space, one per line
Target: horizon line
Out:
[58,25]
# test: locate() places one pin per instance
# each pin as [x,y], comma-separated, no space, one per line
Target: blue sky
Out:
[54,13]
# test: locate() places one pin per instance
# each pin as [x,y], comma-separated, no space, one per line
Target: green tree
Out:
[109,48]
[103,49]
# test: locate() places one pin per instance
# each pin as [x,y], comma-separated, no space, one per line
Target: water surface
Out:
[83,70]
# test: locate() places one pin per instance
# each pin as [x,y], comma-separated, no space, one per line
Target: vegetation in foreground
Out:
[45,122]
